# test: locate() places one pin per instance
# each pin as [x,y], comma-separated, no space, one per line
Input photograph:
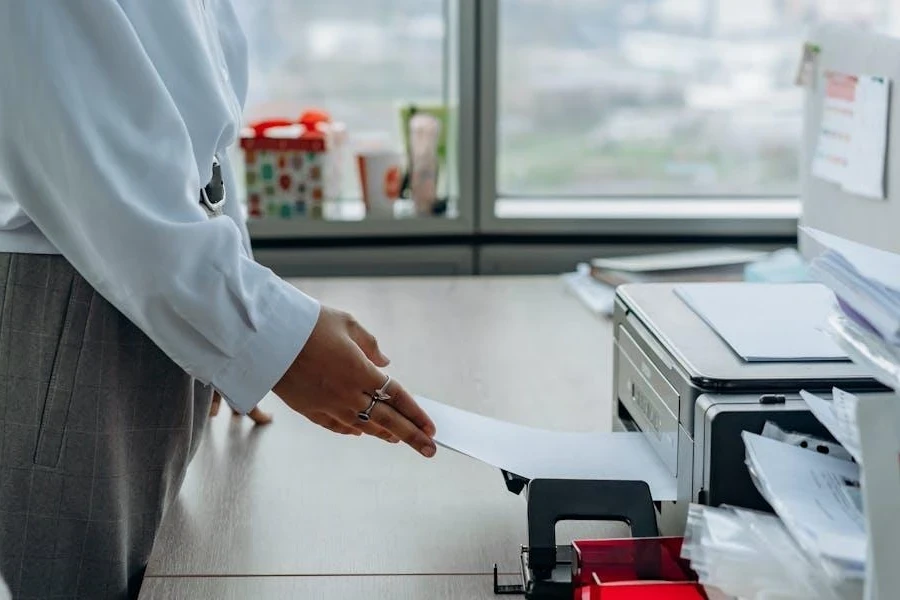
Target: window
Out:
[628,117]
[655,97]
[360,60]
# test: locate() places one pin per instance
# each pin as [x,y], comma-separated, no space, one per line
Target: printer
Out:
[691,395]
[680,385]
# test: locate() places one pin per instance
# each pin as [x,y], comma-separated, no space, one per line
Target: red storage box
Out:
[632,569]
[642,591]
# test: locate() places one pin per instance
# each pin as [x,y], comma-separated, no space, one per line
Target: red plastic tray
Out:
[634,568]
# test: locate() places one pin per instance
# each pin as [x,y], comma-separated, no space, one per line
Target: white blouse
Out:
[111,112]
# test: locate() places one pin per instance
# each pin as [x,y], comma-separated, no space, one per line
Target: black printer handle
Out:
[553,500]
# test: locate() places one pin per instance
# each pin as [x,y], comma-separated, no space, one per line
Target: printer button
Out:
[772,399]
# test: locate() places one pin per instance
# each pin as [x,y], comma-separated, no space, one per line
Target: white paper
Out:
[839,417]
[818,497]
[774,432]
[852,144]
[868,148]
[540,454]
[595,296]
[878,265]
[865,278]
[833,151]
[767,322]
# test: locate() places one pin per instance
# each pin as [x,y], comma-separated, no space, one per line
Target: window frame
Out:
[460,68]
[731,216]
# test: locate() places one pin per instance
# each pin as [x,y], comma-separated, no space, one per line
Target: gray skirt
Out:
[97,427]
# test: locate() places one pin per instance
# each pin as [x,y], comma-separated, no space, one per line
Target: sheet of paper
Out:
[839,417]
[833,150]
[540,454]
[852,145]
[767,322]
[868,148]
[818,497]
[774,432]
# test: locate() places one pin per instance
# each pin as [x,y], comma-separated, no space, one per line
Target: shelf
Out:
[347,219]
[878,419]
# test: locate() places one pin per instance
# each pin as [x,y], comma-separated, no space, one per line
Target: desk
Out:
[476,587]
[294,500]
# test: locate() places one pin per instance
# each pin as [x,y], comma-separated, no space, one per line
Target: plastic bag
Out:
[751,555]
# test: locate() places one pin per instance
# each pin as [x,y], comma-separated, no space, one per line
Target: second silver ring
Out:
[381,394]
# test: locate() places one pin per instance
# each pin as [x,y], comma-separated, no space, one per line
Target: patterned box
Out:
[292,169]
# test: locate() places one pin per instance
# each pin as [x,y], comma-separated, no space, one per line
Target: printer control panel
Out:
[647,406]
[639,384]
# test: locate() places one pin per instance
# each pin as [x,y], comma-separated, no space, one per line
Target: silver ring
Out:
[381,393]
[366,415]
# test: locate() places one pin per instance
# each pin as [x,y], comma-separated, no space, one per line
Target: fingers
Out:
[259,417]
[384,416]
[369,428]
[333,424]
[383,434]
[366,342]
[400,415]
[404,403]
[256,414]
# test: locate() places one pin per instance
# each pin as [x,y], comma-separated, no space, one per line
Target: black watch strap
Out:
[212,196]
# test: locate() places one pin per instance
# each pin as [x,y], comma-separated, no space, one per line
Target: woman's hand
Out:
[333,378]
[256,415]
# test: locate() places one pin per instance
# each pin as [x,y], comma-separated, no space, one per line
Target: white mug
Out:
[381,177]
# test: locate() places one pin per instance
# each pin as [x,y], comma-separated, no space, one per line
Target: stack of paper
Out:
[865,280]
[818,498]
[714,264]
[595,284]
[839,416]
[765,322]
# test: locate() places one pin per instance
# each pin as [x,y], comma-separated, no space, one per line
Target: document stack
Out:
[818,499]
[866,324]
[815,547]
[712,264]
[866,282]
[835,534]
[595,283]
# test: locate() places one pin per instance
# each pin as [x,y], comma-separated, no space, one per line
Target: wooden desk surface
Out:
[457,587]
[292,499]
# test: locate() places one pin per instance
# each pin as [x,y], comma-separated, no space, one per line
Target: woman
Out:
[126,296]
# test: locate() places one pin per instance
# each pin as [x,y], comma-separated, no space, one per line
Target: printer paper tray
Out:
[540,454]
